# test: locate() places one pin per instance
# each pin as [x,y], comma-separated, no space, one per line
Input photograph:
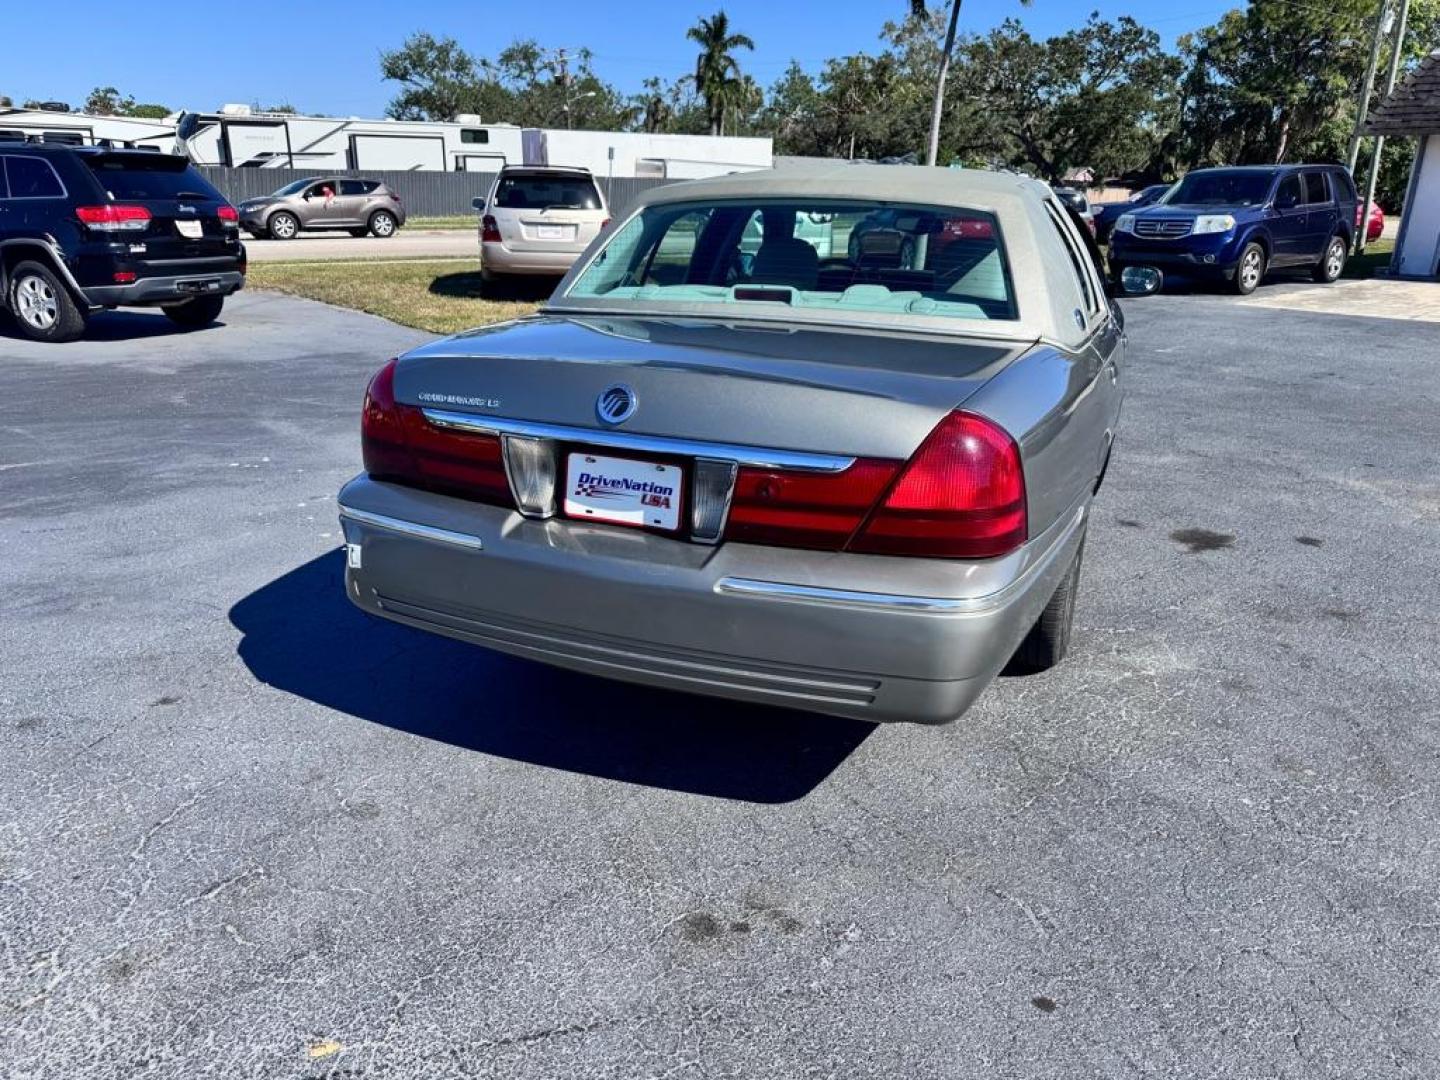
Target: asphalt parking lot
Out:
[405,244]
[247,832]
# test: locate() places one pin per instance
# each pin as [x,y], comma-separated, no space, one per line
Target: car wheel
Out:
[1250,269]
[282,225]
[1332,263]
[382,224]
[1048,641]
[201,311]
[357,233]
[42,305]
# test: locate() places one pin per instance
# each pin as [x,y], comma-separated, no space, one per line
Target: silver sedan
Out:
[848,478]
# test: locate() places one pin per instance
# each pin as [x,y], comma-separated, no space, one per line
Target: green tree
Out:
[439,80]
[717,72]
[1279,80]
[1097,97]
[106,101]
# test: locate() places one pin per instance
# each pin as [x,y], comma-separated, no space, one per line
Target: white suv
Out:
[537,220]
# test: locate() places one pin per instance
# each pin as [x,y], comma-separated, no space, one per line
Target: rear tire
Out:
[383,224]
[1332,263]
[1048,641]
[282,225]
[192,314]
[43,308]
[1250,270]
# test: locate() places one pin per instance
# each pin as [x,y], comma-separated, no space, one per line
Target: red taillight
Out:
[962,495]
[113,217]
[489,230]
[399,444]
[228,213]
[810,510]
[123,277]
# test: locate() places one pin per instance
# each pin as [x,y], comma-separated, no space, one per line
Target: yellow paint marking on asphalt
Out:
[324,1048]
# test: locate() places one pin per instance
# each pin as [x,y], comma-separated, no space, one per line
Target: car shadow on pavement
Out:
[303,636]
[120,326]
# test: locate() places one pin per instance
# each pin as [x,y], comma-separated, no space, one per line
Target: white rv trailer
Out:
[81,129]
[238,137]
[638,153]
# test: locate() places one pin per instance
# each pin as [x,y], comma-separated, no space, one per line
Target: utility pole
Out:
[1390,78]
[1362,110]
[563,63]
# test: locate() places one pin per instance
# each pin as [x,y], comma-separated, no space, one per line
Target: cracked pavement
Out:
[246,832]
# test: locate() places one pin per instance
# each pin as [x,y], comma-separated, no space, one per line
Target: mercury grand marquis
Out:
[847,478]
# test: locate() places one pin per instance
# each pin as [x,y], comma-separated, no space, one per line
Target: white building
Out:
[1413,108]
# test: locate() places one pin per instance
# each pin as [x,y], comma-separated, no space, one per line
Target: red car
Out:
[1377,220]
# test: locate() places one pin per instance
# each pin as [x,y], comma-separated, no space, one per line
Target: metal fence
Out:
[425,194]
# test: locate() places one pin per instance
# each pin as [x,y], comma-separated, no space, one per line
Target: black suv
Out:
[84,228]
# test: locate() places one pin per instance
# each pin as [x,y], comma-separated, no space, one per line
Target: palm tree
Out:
[716,70]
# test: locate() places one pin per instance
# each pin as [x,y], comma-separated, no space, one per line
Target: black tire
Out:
[383,224]
[1250,270]
[282,225]
[357,233]
[42,306]
[201,311]
[1332,262]
[1048,641]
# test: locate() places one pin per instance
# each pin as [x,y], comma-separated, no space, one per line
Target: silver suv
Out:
[537,220]
[357,206]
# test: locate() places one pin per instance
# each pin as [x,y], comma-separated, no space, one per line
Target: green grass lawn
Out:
[1376,257]
[461,221]
[439,295]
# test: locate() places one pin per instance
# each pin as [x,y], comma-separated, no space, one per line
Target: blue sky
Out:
[330,62]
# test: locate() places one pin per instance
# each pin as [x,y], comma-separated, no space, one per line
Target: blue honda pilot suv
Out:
[1235,224]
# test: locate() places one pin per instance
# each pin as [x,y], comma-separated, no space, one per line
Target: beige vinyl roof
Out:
[1042,271]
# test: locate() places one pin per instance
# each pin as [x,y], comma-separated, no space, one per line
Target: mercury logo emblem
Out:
[616,404]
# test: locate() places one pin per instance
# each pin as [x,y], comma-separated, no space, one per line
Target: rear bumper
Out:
[853,635]
[499,259]
[153,291]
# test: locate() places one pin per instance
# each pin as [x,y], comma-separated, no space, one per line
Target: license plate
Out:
[193,229]
[551,232]
[644,494]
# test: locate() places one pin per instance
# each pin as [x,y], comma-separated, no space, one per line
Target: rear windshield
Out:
[547,192]
[150,177]
[845,257]
[1222,187]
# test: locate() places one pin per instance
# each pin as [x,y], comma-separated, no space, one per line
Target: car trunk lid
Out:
[811,390]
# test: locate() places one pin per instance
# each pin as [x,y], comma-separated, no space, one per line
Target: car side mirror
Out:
[1138,281]
[477,203]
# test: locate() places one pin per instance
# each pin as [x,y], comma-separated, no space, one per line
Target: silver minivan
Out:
[537,220]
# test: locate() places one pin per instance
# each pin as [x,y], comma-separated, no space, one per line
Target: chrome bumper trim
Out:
[892,602]
[756,457]
[811,594]
[411,528]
